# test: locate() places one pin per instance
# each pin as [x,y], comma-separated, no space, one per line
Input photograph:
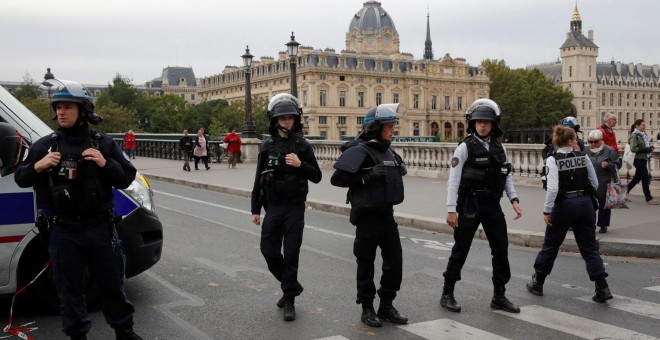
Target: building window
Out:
[342,98]
[416,101]
[583,105]
[323,120]
[341,120]
[360,99]
[589,73]
[322,76]
[570,71]
[459,103]
[305,98]
[379,80]
[192,96]
[434,102]
[322,134]
[602,99]
[619,102]
[416,129]
[322,98]
[447,106]
[395,98]
[183,96]
[342,78]
[360,79]
[360,120]
[379,98]
[611,99]
[415,82]
[589,107]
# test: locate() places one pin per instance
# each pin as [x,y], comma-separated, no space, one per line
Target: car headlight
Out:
[141,191]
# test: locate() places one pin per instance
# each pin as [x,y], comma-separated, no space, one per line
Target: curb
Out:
[523,238]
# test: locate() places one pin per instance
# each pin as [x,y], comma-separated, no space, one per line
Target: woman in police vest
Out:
[568,203]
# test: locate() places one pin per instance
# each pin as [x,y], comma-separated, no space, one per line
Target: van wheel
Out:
[42,295]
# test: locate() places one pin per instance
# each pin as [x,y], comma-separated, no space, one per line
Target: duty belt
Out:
[576,193]
[81,220]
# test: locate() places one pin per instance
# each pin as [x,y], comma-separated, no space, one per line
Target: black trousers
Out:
[74,248]
[281,239]
[204,159]
[489,215]
[576,212]
[376,228]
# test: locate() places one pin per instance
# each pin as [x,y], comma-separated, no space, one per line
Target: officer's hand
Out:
[517,209]
[49,161]
[403,170]
[95,156]
[256,219]
[546,219]
[377,171]
[452,220]
[292,160]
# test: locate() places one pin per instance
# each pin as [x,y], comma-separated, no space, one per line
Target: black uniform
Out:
[372,213]
[78,195]
[282,191]
[186,144]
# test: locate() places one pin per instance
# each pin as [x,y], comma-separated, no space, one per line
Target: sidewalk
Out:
[633,232]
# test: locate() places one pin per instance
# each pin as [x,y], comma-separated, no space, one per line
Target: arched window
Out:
[447,130]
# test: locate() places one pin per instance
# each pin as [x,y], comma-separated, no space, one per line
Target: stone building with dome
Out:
[337,88]
[629,90]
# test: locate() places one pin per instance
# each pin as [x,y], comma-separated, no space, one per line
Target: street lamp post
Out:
[249,129]
[292,48]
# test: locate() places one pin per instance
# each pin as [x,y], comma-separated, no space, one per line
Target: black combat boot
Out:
[602,291]
[369,316]
[280,302]
[535,286]
[447,300]
[289,310]
[501,302]
[387,312]
[126,333]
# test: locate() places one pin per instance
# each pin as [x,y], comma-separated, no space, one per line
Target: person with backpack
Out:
[73,172]
[641,146]
[479,174]
[373,172]
[285,164]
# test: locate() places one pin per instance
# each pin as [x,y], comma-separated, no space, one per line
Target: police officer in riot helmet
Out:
[571,122]
[12,148]
[569,202]
[373,173]
[362,136]
[285,164]
[479,174]
[73,172]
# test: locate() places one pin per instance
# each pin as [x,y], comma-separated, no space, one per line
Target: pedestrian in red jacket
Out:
[234,147]
[130,144]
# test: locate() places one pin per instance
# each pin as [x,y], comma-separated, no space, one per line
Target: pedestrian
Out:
[130,144]
[609,136]
[233,147]
[479,173]
[285,164]
[201,150]
[606,163]
[569,202]
[186,145]
[373,173]
[73,172]
[641,146]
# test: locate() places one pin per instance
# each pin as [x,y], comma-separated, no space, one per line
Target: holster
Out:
[43,224]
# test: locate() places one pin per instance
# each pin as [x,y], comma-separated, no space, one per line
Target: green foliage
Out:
[115,119]
[27,90]
[526,97]
[42,109]
[233,116]
[123,94]
[166,114]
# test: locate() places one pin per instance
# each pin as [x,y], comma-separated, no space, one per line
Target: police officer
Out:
[73,172]
[362,137]
[568,202]
[568,121]
[373,173]
[479,174]
[285,164]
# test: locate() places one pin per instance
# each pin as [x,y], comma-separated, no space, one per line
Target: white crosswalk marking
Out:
[655,288]
[572,324]
[446,329]
[336,337]
[630,305]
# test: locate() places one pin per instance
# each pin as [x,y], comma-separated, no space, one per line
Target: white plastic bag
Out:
[628,156]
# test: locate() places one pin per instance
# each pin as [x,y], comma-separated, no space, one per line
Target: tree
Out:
[115,119]
[28,89]
[41,108]
[122,93]
[165,114]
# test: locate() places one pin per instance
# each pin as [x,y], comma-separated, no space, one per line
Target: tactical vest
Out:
[572,173]
[279,181]
[74,186]
[484,170]
[383,192]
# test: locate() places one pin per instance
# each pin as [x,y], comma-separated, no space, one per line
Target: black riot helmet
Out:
[484,109]
[385,114]
[281,105]
[71,91]
[12,148]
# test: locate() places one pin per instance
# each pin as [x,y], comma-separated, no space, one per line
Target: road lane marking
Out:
[630,305]
[448,329]
[230,271]
[189,300]
[242,211]
[336,337]
[655,288]
[573,324]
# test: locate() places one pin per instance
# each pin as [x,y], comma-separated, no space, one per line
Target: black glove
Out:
[402,169]
[376,172]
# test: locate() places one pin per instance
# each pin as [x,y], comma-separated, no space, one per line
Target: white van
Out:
[22,255]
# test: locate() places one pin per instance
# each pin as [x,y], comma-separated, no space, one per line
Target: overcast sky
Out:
[92,40]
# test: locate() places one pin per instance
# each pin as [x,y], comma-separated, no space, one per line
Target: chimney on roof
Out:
[590,35]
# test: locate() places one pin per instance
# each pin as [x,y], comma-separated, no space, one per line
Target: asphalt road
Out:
[212,283]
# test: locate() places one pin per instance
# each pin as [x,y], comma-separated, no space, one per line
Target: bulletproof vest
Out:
[383,192]
[572,171]
[74,186]
[485,169]
[279,181]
